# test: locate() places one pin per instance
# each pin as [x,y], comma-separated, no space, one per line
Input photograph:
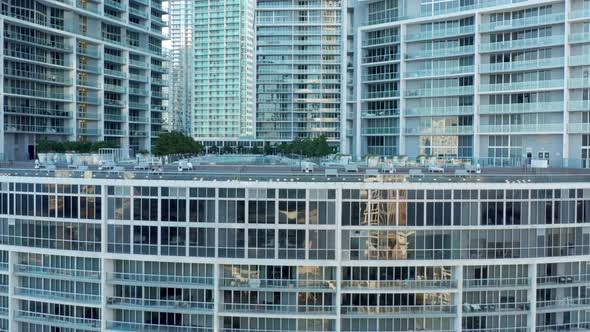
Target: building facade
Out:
[299,65]
[496,80]
[92,254]
[82,70]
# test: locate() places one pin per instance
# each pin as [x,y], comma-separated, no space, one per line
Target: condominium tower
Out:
[171,253]
[496,80]
[81,70]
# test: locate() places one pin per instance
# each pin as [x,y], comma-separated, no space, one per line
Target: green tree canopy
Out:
[45,145]
[176,143]
[317,147]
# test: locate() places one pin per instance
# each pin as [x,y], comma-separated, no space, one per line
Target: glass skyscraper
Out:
[81,70]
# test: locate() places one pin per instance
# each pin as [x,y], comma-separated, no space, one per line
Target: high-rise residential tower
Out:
[214,78]
[299,57]
[495,80]
[81,70]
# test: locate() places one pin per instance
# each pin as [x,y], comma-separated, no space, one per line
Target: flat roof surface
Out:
[280,173]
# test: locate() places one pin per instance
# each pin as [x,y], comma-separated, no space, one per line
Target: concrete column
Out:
[2,151]
[357,139]
[566,93]
[458,300]
[402,87]
[476,83]
[338,256]
[217,297]
[532,297]
[105,265]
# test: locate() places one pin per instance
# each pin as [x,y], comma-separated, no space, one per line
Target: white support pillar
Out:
[532,297]
[476,98]
[458,300]
[401,150]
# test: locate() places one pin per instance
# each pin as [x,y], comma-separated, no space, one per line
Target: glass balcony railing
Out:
[141,278]
[578,83]
[439,110]
[529,85]
[94,53]
[116,73]
[470,309]
[88,99]
[115,88]
[439,71]
[278,308]
[380,58]
[147,327]
[59,113]
[570,327]
[114,132]
[402,284]
[563,303]
[448,130]
[495,283]
[380,40]
[138,78]
[380,131]
[563,279]
[532,128]
[441,52]
[141,106]
[442,33]
[55,295]
[579,60]
[138,119]
[398,310]
[534,107]
[89,116]
[23,269]
[521,65]
[89,131]
[90,68]
[380,77]
[439,92]
[180,304]
[37,129]
[522,43]
[115,117]
[138,63]
[579,105]
[138,92]
[63,320]
[277,283]
[115,4]
[578,128]
[380,113]
[579,13]
[580,37]
[523,22]
[38,93]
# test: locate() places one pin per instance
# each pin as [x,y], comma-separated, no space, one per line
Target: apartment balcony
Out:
[439,111]
[114,5]
[163,95]
[114,58]
[94,116]
[157,304]
[158,6]
[121,278]
[138,12]
[67,321]
[498,329]
[571,327]
[381,94]
[381,41]
[52,78]
[580,37]
[579,13]
[43,94]
[37,41]
[115,117]
[380,131]
[477,309]
[571,303]
[534,107]
[521,65]
[115,88]
[421,73]
[138,78]
[157,133]
[146,327]
[89,132]
[380,77]
[546,19]
[139,106]
[158,68]
[138,92]
[137,133]
[563,280]
[92,53]
[36,129]
[87,100]
[78,298]
[579,105]
[114,132]
[448,130]
[278,309]
[440,92]
[87,6]
[115,73]
[399,284]
[92,84]
[517,86]
[579,60]
[578,128]
[522,43]
[380,58]
[441,52]
[161,82]
[89,68]
[139,119]
[380,113]
[277,283]
[496,283]
[578,83]
[401,310]
[532,128]
[138,64]
[442,33]
[159,108]
[37,111]
[158,20]
[61,273]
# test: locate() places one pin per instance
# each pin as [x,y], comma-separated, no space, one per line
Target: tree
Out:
[317,147]
[176,143]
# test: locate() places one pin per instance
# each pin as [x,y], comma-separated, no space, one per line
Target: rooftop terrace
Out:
[282,173]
